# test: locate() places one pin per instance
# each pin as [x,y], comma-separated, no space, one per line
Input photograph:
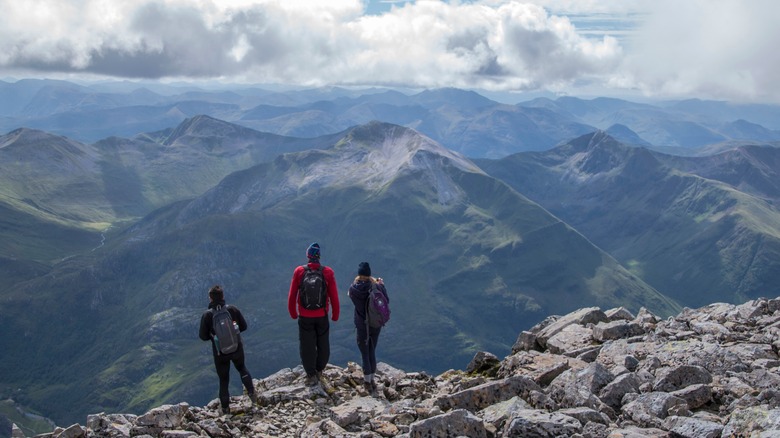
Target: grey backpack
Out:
[226,333]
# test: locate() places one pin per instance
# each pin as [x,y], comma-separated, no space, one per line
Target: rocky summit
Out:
[707,372]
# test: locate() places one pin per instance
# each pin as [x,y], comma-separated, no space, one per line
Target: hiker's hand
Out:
[380,281]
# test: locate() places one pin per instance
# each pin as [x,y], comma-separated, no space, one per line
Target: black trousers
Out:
[222,363]
[367,338]
[314,338]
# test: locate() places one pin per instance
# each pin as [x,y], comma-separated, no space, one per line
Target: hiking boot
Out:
[374,392]
[253,397]
[226,411]
[367,386]
[311,380]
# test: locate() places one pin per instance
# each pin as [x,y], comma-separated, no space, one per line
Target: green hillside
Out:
[694,238]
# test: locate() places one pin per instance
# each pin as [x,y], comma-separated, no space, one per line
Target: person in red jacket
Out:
[313,325]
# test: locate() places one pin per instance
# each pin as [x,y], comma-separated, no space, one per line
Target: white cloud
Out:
[718,48]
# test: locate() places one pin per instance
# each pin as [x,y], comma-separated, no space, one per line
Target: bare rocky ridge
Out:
[708,372]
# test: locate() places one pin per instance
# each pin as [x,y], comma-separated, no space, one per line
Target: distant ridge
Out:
[462,120]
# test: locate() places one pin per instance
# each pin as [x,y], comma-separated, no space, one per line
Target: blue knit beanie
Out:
[313,252]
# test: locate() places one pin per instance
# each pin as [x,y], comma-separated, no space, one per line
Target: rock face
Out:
[709,372]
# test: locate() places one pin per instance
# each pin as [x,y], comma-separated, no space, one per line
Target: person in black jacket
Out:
[367,337]
[222,361]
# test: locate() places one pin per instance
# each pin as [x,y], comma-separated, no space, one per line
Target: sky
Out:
[709,49]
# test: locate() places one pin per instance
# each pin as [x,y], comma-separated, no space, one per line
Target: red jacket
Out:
[294,304]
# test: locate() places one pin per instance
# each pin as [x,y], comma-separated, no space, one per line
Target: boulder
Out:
[458,422]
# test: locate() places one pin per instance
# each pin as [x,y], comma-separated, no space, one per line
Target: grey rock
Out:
[73,431]
[456,423]
[499,413]
[164,417]
[649,409]
[324,428]
[357,410]
[573,337]
[612,394]
[543,368]
[646,317]
[281,378]
[619,313]
[605,331]
[630,362]
[177,434]
[586,415]
[576,388]
[685,427]
[484,363]
[589,315]
[536,423]
[754,421]
[696,395]
[526,341]
[638,432]
[487,394]
[114,425]
[674,378]
[594,430]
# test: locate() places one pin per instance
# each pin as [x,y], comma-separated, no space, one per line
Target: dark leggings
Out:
[222,363]
[367,340]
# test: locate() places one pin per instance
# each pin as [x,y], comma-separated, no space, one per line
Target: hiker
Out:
[222,360]
[367,335]
[312,292]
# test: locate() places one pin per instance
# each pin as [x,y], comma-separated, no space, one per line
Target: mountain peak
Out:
[599,154]
[391,147]
[368,157]
[452,96]
[204,126]
[40,145]
[26,135]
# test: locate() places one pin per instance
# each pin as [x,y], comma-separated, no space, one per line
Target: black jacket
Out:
[358,292]
[206,327]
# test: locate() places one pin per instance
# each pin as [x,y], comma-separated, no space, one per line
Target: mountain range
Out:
[461,120]
[700,229]
[109,246]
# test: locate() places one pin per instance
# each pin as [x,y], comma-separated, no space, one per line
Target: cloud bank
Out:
[694,47]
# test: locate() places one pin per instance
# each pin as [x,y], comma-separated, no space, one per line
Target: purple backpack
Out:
[377,307]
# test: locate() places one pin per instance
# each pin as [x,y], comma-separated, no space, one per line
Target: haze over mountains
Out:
[460,120]
[132,229]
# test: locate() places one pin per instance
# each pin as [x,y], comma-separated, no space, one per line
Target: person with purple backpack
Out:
[367,293]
